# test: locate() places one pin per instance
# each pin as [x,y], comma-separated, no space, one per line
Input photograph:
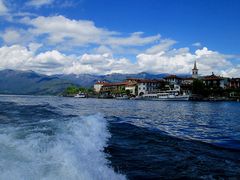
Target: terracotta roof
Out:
[148,81]
[115,84]
[212,77]
[131,84]
[101,82]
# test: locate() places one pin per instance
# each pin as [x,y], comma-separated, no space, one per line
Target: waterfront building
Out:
[234,83]
[132,88]
[173,79]
[187,81]
[146,86]
[98,85]
[214,81]
[113,88]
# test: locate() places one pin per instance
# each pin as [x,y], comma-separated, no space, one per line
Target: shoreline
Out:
[94,97]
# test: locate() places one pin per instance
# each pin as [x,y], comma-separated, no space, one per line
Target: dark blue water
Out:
[67,138]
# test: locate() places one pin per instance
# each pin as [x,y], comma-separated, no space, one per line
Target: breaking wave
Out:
[73,151]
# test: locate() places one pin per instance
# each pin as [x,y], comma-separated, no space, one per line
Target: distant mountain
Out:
[87,80]
[29,82]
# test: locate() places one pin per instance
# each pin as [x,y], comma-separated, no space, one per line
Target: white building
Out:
[144,86]
[98,85]
[173,79]
[132,87]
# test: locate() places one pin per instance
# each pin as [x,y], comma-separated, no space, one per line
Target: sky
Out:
[120,36]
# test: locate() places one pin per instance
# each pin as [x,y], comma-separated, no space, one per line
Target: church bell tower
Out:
[195,71]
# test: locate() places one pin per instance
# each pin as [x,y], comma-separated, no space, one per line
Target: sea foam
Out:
[74,151]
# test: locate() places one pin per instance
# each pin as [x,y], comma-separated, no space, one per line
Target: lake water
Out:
[67,138]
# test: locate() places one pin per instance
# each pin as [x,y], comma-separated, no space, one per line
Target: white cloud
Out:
[135,39]
[11,36]
[172,61]
[197,44]
[232,72]
[14,57]
[212,61]
[60,29]
[39,3]
[3,8]
[34,46]
[181,61]
[21,58]
[162,46]
[99,64]
[53,62]
[103,49]
[70,32]
[16,36]
[166,62]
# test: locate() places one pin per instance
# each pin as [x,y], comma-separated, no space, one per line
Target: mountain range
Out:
[30,82]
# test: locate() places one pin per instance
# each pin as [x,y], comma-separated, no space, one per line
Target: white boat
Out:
[167,95]
[124,97]
[80,95]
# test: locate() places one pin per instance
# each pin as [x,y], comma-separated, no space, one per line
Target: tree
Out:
[199,88]
[71,90]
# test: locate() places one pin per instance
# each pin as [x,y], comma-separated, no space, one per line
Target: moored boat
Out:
[124,97]
[167,95]
[80,95]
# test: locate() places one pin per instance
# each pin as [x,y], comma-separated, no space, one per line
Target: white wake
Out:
[74,152]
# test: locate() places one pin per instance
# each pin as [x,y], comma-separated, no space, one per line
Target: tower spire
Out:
[195,71]
[195,65]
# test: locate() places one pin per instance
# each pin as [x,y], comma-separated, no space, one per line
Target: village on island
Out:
[171,87]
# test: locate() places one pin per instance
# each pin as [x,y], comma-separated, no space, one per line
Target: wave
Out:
[74,151]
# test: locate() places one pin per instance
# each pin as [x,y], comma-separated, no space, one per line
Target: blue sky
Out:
[127,36]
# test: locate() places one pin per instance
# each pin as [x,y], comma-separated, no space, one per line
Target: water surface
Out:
[68,138]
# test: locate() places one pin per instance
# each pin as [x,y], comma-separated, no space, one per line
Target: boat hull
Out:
[177,98]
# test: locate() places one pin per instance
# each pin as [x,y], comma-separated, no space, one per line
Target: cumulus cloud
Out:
[21,58]
[3,8]
[175,61]
[212,59]
[54,62]
[181,61]
[171,61]
[39,3]
[23,50]
[59,29]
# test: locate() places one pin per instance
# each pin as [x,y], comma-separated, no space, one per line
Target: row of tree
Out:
[199,88]
[73,90]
